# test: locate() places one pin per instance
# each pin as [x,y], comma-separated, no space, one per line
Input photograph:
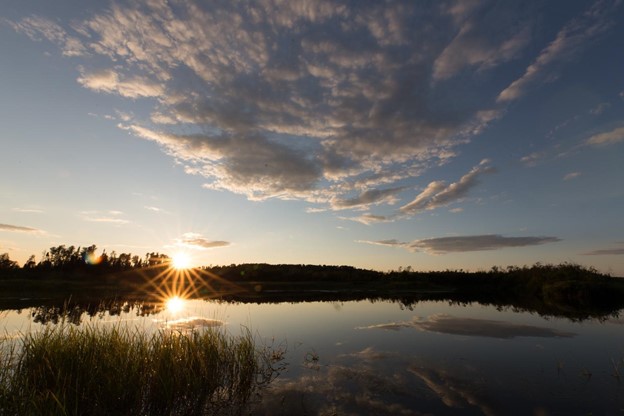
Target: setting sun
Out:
[181,261]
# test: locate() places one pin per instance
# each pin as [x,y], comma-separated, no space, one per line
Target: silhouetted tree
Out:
[6,263]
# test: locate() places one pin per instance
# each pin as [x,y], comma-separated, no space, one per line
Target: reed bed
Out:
[68,370]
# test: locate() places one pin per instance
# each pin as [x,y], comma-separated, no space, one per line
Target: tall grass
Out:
[67,370]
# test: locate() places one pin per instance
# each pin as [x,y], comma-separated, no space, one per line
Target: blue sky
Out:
[375,134]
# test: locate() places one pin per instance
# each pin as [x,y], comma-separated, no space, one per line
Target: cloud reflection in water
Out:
[192,323]
[448,324]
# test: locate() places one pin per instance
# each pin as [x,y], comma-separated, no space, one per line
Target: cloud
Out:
[36,27]
[533,158]
[613,251]
[610,137]
[367,198]
[313,101]
[461,244]
[368,219]
[448,324]
[19,229]
[29,210]
[438,194]
[109,81]
[599,109]
[154,209]
[486,37]
[571,175]
[110,220]
[569,42]
[197,241]
[259,169]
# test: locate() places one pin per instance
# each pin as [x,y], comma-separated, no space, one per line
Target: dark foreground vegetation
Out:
[69,370]
[70,281]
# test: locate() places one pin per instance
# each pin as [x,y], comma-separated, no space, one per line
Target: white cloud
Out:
[438,194]
[29,210]
[444,245]
[368,219]
[110,220]
[571,175]
[610,137]
[109,81]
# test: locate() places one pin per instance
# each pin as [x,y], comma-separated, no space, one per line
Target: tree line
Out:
[76,258]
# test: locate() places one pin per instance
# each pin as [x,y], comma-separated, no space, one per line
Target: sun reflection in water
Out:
[175,304]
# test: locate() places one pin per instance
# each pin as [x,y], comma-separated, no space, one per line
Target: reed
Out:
[68,370]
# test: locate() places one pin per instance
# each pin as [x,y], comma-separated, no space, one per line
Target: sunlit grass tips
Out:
[66,370]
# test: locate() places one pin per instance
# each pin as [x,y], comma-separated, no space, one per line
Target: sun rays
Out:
[172,283]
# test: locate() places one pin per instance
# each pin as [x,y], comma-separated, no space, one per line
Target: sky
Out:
[377,134]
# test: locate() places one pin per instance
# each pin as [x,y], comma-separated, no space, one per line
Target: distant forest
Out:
[63,272]
[71,258]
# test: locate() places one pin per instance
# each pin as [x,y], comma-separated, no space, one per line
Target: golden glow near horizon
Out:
[181,261]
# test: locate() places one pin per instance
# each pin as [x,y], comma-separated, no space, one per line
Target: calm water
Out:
[435,358]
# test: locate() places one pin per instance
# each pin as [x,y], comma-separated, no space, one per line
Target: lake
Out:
[430,357]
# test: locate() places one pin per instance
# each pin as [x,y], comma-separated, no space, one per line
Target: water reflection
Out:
[448,324]
[434,357]
[191,324]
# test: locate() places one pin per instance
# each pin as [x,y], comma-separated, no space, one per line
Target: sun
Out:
[180,261]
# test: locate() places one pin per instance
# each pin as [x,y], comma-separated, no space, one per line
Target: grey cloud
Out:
[486,37]
[258,168]
[438,194]
[19,229]
[197,241]
[444,245]
[613,251]
[570,40]
[367,198]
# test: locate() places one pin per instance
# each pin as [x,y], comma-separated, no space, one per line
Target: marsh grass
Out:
[68,370]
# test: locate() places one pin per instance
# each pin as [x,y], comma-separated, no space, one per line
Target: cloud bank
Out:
[444,245]
[343,105]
